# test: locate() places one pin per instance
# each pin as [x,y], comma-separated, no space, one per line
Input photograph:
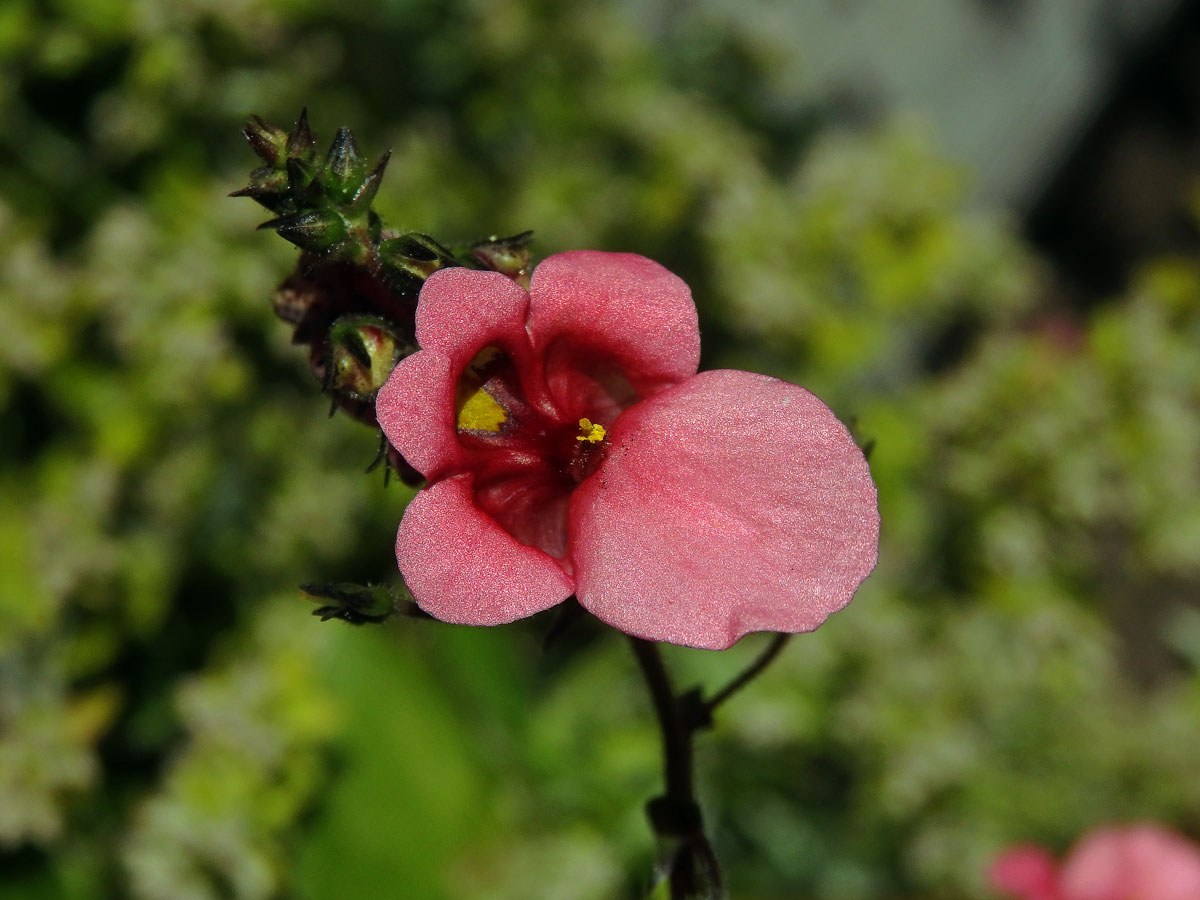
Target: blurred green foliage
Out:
[1023,665]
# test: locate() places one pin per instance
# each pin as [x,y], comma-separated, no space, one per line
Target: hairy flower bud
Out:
[353,294]
[508,256]
[360,354]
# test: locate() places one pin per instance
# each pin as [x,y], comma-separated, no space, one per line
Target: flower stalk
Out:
[691,867]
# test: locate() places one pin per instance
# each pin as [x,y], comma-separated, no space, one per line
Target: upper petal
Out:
[462,567]
[730,503]
[612,307]
[460,311]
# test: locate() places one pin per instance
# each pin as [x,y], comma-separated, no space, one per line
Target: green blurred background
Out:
[1024,664]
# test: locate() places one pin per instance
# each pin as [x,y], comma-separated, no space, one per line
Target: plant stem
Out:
[677,739]
[752,671]
[693,870]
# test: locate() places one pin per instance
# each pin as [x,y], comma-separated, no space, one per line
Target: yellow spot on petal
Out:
[475,409]
[590,432]
[479,411]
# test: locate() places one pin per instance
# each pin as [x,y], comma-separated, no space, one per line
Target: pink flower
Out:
[1142,862]
[571,448]
[1027,872]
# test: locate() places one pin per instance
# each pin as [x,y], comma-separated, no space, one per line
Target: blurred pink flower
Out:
[1141,862]
[571,448]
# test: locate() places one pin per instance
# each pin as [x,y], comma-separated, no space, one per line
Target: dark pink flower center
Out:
[534,452]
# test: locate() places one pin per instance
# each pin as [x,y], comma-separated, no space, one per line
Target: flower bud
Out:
[417,255]
[508,256]
[274,185]
[360,355]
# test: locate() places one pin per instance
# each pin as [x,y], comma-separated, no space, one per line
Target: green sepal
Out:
[358,604]
[362,604]
[319,232]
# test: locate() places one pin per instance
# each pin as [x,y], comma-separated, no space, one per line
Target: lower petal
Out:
[530,506]
[464,568]
[728,504]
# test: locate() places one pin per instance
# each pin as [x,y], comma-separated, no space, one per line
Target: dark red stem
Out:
[675,816]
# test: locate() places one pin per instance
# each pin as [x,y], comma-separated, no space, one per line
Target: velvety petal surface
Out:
[587,307]
[460,312]
[730,503]
[464,568]
[415,409]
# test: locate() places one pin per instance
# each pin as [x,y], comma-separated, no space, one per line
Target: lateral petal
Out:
[460,312]
[415,409]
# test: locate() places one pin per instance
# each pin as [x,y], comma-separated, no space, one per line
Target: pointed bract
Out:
[302,142]
[268,141]
[364,196]
[316,231]
[344,165]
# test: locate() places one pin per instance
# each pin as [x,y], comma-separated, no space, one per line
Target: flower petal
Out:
[460,312]
[464,568]
[731,503]
[415,409]
[618,306]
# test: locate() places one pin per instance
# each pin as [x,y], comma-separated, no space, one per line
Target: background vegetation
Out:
[174,726]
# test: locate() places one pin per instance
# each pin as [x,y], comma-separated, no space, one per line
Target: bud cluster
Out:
[352,297]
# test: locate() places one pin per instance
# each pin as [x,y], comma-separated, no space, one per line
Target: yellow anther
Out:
[590,432]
